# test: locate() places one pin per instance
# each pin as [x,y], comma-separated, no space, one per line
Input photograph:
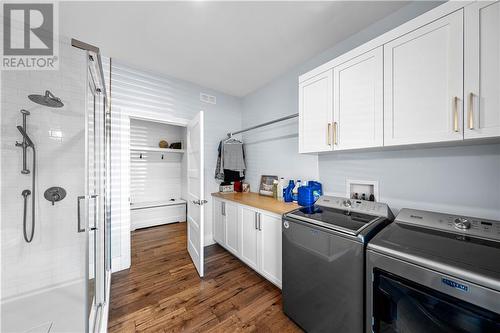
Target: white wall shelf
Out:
[156,149]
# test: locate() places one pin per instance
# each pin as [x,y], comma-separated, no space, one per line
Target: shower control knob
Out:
[54,194]
[461,223]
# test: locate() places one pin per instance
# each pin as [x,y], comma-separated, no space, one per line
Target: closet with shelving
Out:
[157,173]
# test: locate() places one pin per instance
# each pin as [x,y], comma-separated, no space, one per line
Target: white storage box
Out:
[149,214]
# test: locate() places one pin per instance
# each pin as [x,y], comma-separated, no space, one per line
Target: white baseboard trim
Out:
[209,241]
[119,264]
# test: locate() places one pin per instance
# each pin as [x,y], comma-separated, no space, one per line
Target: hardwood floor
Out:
[162,291]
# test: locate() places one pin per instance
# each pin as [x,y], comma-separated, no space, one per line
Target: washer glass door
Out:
[400,305]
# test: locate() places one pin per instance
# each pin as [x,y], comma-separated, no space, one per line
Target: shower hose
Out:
[25,232]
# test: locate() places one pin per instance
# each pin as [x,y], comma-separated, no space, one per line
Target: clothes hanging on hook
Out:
[219,171]
[233,156]
[230,160]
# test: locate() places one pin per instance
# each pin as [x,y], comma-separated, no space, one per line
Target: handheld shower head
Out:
[26,137]
[49,99]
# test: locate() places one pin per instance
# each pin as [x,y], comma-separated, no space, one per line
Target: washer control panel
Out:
[461,223]
[354,205]
[465,225]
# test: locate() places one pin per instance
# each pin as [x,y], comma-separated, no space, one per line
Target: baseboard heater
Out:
[152,213]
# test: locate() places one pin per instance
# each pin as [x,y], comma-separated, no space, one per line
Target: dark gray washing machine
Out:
[431,272]
[324,260]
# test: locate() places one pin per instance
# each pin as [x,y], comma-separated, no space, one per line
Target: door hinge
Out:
[199,202]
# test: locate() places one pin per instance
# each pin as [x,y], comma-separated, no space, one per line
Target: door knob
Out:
[199,202]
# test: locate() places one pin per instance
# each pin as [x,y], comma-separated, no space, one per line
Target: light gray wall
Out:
[273,150]
[433,180]
[462,179]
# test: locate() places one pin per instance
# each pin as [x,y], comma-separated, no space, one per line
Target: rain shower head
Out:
[47,100]
[26,137]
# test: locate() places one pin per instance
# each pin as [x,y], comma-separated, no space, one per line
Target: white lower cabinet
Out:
[231,223]
[218,221]
[253,235]
[249,234]
[270,248]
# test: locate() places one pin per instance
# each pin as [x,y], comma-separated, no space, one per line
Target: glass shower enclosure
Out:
[58,281]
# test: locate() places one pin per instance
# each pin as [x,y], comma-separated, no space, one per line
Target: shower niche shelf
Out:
[156,149]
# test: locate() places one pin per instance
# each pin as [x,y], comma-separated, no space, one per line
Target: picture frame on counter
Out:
[266,185]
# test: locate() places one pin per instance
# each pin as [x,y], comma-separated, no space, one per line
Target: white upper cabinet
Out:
[315,113]
[482,70]
[423,84]
[433,79]
[358,102]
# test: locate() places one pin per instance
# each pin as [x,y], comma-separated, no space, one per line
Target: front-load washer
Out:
[431,272]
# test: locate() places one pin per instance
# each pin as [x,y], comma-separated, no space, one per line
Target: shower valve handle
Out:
[55,194]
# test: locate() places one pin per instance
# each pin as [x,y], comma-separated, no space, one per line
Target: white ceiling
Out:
[232,47]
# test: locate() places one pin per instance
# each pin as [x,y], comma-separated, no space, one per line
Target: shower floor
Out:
[57,310]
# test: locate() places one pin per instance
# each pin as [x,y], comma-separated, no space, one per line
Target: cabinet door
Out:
[249,233]
[423,84]
[232,228]
[270,248]
[218,221]
[482,70]
[315,113]
[358,102]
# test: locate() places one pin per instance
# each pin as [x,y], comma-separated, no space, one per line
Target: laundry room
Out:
[250,166]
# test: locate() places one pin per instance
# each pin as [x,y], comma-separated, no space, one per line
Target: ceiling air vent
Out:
[206,98]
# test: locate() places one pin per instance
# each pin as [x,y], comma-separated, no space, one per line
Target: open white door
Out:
[196,194]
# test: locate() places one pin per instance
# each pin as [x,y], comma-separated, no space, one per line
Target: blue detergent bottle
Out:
[317,189]
[287,195]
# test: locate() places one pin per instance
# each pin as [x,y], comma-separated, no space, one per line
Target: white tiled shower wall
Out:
[57,252]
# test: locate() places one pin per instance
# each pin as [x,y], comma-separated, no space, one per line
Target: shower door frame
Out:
[95,195]
[96,317]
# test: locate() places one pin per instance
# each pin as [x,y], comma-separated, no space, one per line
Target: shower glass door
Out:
[96,228]
[44,283]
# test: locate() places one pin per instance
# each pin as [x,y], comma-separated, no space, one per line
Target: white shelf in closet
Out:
[156,149]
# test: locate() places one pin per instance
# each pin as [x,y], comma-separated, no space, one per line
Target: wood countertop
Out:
[258,201]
